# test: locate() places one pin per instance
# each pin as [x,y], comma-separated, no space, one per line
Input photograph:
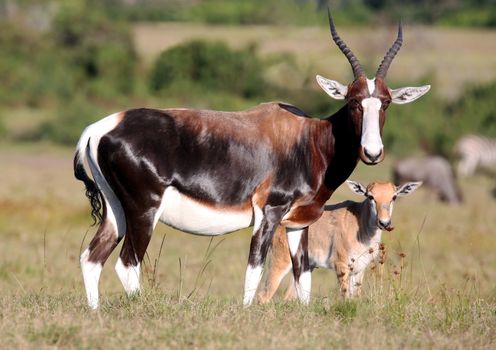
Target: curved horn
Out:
[383,68]
[355,64]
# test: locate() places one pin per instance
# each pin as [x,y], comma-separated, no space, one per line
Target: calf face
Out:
[381,197]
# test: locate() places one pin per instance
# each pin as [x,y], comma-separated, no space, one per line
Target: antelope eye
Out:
[355,104]
[369,196]
[394,198]
[385,104]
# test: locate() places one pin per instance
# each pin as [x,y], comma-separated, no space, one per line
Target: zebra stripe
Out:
[475,152]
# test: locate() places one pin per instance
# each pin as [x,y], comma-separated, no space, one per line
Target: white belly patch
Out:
[189,215]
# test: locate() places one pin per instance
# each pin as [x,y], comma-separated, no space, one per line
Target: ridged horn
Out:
[386,62]
[355,64]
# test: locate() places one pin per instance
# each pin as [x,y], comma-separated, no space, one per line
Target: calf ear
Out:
[333,88]
[408,94]
[357,187]
[407,188]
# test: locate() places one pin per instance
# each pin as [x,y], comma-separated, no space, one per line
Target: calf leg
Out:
[355,284]
[266,222]
[279,266]
[343,274]
[291,291]
[298,247]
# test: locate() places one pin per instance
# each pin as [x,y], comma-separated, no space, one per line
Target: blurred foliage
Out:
[98,49]
[70,122]
[305,12]
[3,129]
[84,64]
[211,65]
[474,112]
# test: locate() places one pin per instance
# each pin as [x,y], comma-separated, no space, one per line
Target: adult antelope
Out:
[210,173]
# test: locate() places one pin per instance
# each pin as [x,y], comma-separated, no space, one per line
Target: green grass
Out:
[443,297]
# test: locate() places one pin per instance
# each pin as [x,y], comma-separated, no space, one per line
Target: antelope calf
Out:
[346,238]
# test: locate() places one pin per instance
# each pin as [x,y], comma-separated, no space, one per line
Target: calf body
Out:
[346,238]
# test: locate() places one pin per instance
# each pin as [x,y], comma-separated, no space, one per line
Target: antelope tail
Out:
[93,193]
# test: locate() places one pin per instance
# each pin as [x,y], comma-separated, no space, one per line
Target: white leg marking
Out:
[91,276]
[303,288]
[129,277]
[294,237]
[258,217]
[252,279]
[253,273]
[304,284]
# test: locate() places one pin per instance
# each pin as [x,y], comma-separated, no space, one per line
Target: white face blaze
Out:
[371,135]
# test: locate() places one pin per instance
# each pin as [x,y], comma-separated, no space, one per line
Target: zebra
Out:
[475,152]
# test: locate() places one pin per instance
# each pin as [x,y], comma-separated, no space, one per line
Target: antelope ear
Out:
[356,187]
[408,94]
[333,88]
[407,188]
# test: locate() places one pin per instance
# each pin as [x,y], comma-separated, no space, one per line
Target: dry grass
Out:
[444,296]
[450,58]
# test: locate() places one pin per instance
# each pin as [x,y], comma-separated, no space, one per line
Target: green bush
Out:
[413,125]
[94,56]
[96,48]
[70,122]
[474,112]
[3,130]
[211,65]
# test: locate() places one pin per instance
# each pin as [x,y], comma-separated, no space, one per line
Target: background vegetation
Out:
[69,71]
[65,64]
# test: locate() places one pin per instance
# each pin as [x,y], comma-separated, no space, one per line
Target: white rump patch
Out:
[129,276]
[91,276]
[371,135]
[252,280]
[186,214]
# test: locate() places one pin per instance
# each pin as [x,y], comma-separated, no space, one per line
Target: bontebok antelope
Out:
[210,173]
[346,238]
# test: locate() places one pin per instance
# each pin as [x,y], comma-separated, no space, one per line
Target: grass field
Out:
[441,295]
